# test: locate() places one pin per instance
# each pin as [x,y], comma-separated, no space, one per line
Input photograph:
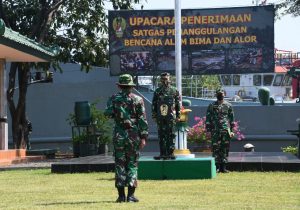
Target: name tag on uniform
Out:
[164,109]
[165,105]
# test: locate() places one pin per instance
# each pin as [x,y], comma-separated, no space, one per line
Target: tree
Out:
[78,27]
[288,7]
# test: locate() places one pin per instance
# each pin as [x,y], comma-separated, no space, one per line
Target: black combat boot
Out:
[130,196]
[173,157]
[161,154]
[121,198]
[218,168]
[157,157]
[171,154]
[223,168]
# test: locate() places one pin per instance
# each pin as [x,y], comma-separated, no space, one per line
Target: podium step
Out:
[180,168]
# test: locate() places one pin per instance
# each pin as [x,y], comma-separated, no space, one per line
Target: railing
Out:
[286,59]
[198,92]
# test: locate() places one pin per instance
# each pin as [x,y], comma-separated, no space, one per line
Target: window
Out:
[278,79]
[236,79]
[287,81]
[268,79]
[257,80]
[226,79]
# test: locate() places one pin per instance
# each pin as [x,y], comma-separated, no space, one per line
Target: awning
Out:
[15,47]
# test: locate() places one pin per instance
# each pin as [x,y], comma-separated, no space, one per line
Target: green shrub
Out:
[186,102]
[290,149]
[264,95]
[104,124]
[272,101]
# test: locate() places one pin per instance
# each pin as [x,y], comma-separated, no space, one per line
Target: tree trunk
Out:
[17,107]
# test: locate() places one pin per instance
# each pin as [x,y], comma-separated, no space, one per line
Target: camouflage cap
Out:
[164,75]
[220,91]
[125,80]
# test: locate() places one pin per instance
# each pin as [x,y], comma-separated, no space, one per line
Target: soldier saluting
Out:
[165,112]
[219,127]
[130,133]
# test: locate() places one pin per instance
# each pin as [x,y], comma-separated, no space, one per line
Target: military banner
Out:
[214,41]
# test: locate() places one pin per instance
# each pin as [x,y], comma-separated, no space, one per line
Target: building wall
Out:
[264,126]
[49,104]
[260,120]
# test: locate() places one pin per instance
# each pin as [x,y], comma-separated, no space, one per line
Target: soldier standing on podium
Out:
[166,112]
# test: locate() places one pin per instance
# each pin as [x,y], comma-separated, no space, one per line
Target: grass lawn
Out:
[40,189]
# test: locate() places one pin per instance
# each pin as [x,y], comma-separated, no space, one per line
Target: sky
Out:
[287,29]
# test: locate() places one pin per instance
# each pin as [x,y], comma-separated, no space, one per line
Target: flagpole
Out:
[181,149]
[178,65]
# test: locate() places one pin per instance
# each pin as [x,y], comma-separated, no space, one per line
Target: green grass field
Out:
[40,189]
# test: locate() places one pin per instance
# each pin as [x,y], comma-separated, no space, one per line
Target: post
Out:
[178,64]
[3,108]
[181,149]
[298,139]
[298,89]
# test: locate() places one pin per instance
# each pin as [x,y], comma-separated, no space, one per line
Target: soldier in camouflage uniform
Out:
[130,133]
[166,111]
[219,127]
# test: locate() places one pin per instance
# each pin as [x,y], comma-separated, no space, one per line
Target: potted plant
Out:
[84,141]
[85,147]
[103,126]
[76,140]
[196,136]
[94,138]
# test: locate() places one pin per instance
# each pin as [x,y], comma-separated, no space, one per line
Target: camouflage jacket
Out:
[128,112]
[160,94]
[219,117]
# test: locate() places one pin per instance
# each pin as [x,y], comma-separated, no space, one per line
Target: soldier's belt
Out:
[219,131]
[224,131]
[123,120]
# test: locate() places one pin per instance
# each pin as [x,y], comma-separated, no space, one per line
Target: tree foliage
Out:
[77,27]
[288,7]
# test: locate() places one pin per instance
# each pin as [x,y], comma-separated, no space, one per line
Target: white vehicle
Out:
[246,86]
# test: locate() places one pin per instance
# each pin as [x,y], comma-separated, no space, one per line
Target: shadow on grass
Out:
[73,203]
[105,179]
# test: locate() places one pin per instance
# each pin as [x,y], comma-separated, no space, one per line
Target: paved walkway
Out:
[36,164]
[238,161]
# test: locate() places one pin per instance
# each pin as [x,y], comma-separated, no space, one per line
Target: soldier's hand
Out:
[142,143]
[231,134]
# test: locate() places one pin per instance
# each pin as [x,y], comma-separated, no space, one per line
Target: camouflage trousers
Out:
[126,152]
[166,135]
[220,146]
